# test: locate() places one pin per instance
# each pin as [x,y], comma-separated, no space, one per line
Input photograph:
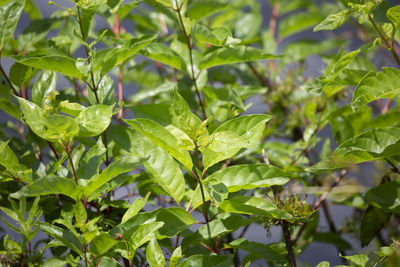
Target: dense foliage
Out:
[92,174]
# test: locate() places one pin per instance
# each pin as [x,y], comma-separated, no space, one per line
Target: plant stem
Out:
[67,149]
[8,79]
[288,242]
[94,87]
[389,44]
[190,48]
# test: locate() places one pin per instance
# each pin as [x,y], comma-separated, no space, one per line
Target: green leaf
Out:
[134,209]
[175,257]
[359,260]
[163,138]
[393,14]
[385,251]
[370,145]
[383,84]
[332,238]
[248,177]
[154,254]
[9,107]
[49,185]
[152,92]
[175,221]
[268,252]
[208,260]
[109,58]
[333,21]
[9,14]
[385,196]
[160,52]
[54,262]
[323,264]
[8,158]
[45,84]
[254,206]
[119,166]
[372,221]
[114,5]
[58,127]
[61,64]
[94,120]
[20,74]
[182,116]
[198,10]
[143,234]
[64,236]
[218,227]
[90,164]
[204,35]
[229,55]
[102,243]
[245,130]
[161,166]
[298,22]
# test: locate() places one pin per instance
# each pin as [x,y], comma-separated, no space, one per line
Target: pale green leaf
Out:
[175,257]
[8,158]
[49,185]
[61,64]
[9,16]
[333,21]
[393,14]
[134,209]
[208,260]
[102,243]
[154,254]
[163,138]
[298,22]
[94,120]
[359,260]
[45,84]
[198,10]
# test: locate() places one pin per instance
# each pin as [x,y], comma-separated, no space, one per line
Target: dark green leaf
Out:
[385,196]
[372,222]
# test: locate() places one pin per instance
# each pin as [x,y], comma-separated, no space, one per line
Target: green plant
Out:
[69,153]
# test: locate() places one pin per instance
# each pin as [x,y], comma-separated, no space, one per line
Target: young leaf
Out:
[163,138]
[154,254]
[8,158]
[50,185]
[333,21]
[383,84]
[359,260]
[135,208]
[182,116]
[119,166]
[393,14]
[45,84]
[175,257]
[229,55]
[9,14]
[94,120]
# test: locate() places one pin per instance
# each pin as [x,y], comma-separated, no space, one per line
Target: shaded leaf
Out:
[229,55]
